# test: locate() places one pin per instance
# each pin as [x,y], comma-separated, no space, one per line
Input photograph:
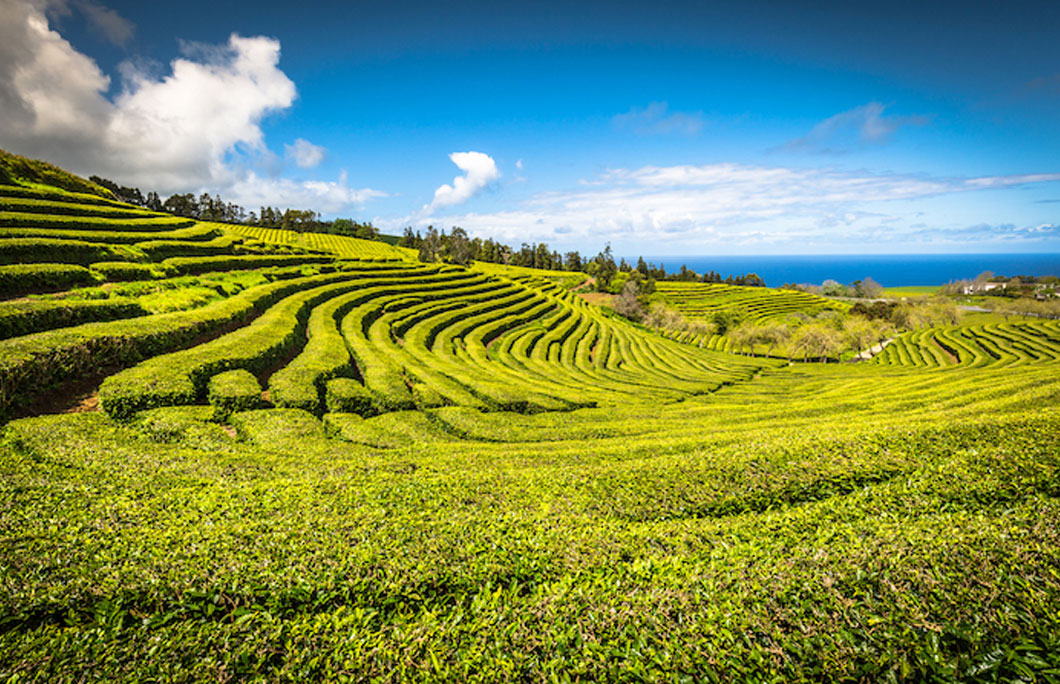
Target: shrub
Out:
[163,249]
[345,395]
[231,391]
[32,364]
[51,250]
[24,278]
[195,265]
[23,318]
[125,270]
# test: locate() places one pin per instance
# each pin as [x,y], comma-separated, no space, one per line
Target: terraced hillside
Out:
[339,245]
[975,346]
[287,461]
[703,300]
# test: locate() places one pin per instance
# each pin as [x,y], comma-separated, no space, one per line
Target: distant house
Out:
[977,288]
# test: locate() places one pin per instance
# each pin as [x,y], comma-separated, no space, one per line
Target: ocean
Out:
[889,270]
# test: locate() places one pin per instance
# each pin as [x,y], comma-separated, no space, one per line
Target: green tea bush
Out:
[155,222]
[49,250]
[346,395]
[125,270]
[30,365]
[231,391]
[180,377]
[195,265]
[164,249]
[198,233]
[21,279]
[25,317]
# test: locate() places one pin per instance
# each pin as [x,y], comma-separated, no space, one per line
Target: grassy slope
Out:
[911,531]
[837,523]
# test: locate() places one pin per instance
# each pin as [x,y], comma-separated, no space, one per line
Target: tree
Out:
[457,248]
[429,246]
[605,269]
[858,333]
[743,335]
[627,304]
[774,334]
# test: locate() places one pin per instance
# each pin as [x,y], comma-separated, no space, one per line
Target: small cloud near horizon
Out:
[860,126]
[657,119]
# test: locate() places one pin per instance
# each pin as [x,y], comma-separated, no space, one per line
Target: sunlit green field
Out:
[911,291]
[313,458]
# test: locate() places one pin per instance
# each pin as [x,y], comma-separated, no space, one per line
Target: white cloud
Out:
[116,28]
[305,154]
[479,171]
[252,191]
[657,119]
[859,126]
[725,206]
[197,127]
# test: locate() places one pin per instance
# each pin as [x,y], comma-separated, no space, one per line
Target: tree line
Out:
[208,207]
[456,247]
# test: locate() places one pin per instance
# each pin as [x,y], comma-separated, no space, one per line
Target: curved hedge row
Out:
[19,279]
[128,237]
[72,207]
[197,265]
[30,316]
[164,249]
[975,346]
[31,365]
[29,250]
[11,219]
[181,377]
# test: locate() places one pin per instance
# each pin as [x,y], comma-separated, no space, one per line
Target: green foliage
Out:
[125,270]
[25,317]
[20,279]
[181,377]
[17,169]
[70,222]
[511,484]
[32,364]
[126,237]
[196,265]
[50,250]
[345,395]
[231,391]
[164,249]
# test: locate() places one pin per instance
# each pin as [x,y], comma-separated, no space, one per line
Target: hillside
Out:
[236,453]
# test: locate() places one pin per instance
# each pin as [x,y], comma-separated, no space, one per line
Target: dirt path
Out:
[873,351]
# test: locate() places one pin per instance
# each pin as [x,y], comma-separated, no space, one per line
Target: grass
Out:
[911,291]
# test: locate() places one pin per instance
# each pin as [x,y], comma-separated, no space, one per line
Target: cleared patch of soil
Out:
[598,298]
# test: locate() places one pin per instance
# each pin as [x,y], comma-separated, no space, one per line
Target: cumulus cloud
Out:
[305,154]
[196,127]
[114,27]
[252,190]
[860,126]
[727,206]
[657,119]
[479,171]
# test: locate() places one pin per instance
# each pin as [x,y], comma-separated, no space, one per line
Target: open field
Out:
[307,457]
[911,291]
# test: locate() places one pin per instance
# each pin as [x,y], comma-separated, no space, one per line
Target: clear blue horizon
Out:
[669,127]
[890,270]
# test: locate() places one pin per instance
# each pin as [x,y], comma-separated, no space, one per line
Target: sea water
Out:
[889,270]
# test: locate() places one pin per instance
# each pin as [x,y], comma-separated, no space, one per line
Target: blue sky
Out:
[662,128]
